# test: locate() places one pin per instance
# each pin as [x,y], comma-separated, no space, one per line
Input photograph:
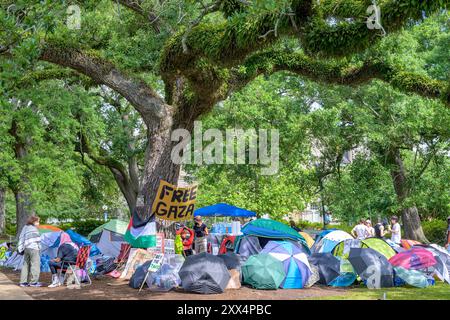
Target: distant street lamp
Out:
[105,210]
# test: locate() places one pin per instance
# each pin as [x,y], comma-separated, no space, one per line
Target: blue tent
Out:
[81,241]
[224,210]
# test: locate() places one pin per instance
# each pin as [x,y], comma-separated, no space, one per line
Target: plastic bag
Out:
[166,278]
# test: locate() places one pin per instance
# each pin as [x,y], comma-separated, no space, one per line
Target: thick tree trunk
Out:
[410,216]
[2,210]
[159,166]
[129,191]
[24,209]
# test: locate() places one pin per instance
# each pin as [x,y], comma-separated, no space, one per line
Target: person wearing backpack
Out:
[29,246]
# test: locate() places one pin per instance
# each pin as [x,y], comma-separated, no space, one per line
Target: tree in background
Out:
[224,47]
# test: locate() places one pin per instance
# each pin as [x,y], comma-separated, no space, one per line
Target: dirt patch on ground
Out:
[101,290]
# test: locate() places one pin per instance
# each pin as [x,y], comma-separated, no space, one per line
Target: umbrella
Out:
[231,260]
[372,267]
[442,266]
[328,265]
[415,258]
[295,262]
[412,277]
[204,273]
[263,271]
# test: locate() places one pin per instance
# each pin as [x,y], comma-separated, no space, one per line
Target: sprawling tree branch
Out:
[146,101]
[135,5]
[337,72]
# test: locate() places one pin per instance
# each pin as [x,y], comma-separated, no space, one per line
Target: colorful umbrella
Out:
[372,267]
[295,262]
[412,277]
[329,266]
[263,271]
[415,258]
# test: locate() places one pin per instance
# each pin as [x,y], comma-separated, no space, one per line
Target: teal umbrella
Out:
[412,277]
[263,271]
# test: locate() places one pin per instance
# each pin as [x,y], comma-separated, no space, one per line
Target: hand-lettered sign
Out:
[174,203]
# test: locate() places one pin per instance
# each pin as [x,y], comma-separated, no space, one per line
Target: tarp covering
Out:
[204,273]
[224,210]
[263,271]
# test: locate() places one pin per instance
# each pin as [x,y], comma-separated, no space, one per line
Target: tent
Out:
[263,271]
[309,240]
[271,229]
[109,237]
[342,249]
[327,240]
[248,246]
[45,228]
[224,210]
[81,241]
[295,262]
[372,267]
[347,275]
[204,273]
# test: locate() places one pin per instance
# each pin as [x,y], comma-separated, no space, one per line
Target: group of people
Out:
[365,230]
[198,236]
[30,246]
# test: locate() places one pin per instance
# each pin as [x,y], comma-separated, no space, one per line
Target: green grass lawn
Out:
[441,291]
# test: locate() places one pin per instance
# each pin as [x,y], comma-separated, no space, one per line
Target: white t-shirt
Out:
[370,232]
[397,236]
[361,231]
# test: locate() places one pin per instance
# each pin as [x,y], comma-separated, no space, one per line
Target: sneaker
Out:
[54,285]
[25,284]
[36,285]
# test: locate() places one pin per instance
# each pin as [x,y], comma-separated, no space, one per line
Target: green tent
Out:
[376,244]
[263,271]
[109,237]
[114,225]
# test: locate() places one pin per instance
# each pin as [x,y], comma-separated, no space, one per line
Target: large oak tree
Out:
[205,51]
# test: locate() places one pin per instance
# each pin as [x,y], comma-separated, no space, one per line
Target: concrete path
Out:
[10,290]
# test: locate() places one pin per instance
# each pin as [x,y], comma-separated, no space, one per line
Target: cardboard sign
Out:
[169,246]
[174,203]
[137,258]
[156,263]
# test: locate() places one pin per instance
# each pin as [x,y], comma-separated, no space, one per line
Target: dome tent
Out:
[328,239]
[109,237]
[268,229]
[342,249]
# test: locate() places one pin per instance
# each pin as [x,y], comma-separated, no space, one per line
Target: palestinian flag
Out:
[141,233]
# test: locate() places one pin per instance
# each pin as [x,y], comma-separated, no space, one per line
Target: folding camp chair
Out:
[124,253]
[80,264]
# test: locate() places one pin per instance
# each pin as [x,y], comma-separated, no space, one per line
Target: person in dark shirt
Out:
[67,253]
[293,226]
[201,232]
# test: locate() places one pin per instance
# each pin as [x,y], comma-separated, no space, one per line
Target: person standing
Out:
[201,233]
[360,230]
[370,229]
[447,245]
[396,233]
[30,245]
[380,230]
[293,226]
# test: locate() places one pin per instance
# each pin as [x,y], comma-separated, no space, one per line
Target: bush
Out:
[83,227]
[435,231]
